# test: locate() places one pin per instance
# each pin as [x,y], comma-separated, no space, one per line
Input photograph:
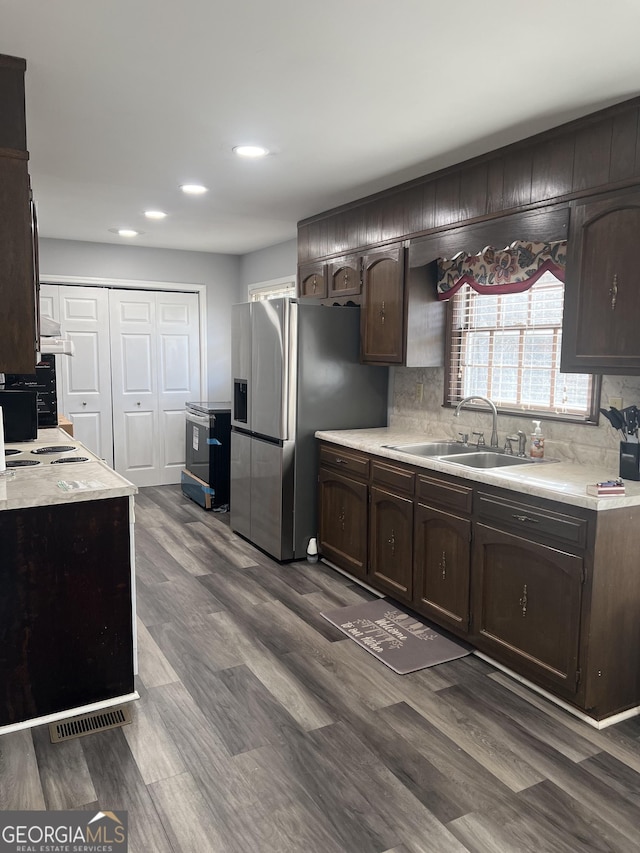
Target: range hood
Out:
[52,341]
[56,346]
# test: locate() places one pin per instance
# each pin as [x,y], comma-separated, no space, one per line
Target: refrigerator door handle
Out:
[270,367]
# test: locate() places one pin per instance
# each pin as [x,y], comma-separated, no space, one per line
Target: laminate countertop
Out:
[46,484]
[564,482]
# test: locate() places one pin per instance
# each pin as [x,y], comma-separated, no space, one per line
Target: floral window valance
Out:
[510,270]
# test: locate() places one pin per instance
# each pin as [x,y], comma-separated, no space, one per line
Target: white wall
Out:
[268,264]
[220,274]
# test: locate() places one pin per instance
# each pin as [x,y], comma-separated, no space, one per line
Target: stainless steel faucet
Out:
[494,412]
[521,438]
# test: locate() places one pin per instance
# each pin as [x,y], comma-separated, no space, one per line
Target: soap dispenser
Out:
[537,442]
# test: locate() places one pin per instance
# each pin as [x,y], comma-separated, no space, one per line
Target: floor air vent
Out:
[86,724]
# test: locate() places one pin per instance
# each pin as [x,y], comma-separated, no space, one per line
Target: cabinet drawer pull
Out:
[526,518]
[613,292]
[341,461]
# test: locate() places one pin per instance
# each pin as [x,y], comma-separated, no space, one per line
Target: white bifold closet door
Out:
[136,364]
[84,379]
[155,365]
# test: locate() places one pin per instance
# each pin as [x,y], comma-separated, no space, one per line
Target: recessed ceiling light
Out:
[126,232]
[155,214]
[193,189]
[250,151]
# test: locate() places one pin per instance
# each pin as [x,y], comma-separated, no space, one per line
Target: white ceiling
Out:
[127,99]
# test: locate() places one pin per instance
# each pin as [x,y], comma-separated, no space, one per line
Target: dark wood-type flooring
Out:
[262,728]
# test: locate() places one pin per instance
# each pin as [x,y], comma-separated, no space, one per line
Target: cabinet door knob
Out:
[523,601]
[613,291]
[83,403]
[443,565]
[138,403]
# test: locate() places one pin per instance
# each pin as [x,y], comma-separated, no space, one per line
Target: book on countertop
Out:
[610,487]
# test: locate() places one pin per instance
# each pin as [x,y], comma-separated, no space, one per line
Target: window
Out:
[272,289]
[507,347]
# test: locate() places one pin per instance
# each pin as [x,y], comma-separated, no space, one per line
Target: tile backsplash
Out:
[581,443]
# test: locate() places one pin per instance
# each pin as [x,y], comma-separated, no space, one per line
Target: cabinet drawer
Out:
[347,461]
[398,479]
[536,522]
[442,493]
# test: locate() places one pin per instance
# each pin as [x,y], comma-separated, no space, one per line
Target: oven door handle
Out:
[201,420]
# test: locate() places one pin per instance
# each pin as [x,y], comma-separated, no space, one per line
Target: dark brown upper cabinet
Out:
[602,308]
[402,321]
[312,281]
[345,276]
[13,129]
[18,238]
[382,320]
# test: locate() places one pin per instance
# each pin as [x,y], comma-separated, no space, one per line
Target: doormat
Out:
[398,639]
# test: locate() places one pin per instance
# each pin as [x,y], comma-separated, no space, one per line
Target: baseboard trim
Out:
[361,583]
[71,712]
[597,724]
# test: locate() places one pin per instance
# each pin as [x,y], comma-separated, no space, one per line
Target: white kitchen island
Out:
[67,602]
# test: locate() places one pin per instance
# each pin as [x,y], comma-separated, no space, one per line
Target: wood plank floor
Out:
[262,728]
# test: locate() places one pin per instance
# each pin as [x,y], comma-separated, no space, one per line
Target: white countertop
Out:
[565,482]
[39,485]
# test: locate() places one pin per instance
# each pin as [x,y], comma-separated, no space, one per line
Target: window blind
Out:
[507,347]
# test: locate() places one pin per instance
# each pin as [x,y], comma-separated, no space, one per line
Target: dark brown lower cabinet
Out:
[342,524]
[545,588]
[65,609]
[527,600]
[391,543]
[441,557]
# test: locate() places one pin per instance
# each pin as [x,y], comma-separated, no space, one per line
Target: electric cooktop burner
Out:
[22,463]
[70,459]
[55,448]
[11,451]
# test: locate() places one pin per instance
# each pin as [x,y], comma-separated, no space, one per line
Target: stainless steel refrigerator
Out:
[295,370]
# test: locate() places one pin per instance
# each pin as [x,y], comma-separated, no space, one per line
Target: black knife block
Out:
[630,460]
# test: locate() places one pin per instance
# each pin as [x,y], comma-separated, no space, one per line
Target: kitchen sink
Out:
[487,459]
[462,454]
[433,448]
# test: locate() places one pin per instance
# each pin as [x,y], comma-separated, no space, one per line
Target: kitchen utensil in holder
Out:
[630,460]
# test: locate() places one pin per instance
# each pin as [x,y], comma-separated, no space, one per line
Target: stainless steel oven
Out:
[208,448]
